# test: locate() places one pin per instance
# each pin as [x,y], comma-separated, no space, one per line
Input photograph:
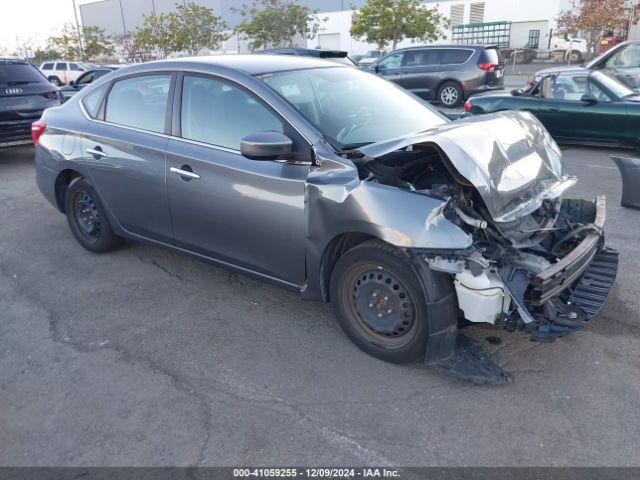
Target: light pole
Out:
[80,42]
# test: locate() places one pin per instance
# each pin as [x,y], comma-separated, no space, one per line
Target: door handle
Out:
[96,152]
[189,174]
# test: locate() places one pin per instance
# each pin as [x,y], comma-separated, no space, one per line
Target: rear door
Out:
[243,212]
[125,153]
[420,71]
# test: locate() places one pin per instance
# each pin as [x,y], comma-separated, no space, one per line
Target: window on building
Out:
[534,39]
[218,113]
[139,102]
[456,14]
[476,13]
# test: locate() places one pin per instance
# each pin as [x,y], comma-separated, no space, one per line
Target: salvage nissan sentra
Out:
[337,184]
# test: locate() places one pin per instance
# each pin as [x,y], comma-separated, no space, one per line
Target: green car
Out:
[576,105]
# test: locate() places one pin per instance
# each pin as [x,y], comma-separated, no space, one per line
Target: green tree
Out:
[276,22]
[391,21]
[195,27]
[595,17]
[67,43]
[156,35]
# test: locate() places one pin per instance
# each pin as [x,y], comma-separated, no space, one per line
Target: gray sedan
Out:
[339,185]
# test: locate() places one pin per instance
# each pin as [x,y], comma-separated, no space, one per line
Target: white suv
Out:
[61,73]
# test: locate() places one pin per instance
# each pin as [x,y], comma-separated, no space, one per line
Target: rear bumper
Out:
[15,132]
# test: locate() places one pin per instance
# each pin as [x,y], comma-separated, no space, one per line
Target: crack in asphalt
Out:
[151,261]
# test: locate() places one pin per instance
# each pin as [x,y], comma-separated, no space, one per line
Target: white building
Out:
[529,20]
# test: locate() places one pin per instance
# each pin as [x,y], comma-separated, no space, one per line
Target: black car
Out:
[337,56]
[621,62]
[83,80]
[446,73]
[24,94]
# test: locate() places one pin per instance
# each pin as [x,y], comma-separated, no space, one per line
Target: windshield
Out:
[353,107]
[619,89]
[19,73]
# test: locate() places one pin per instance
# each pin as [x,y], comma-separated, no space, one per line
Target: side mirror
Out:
[589,98]
[72,83]
[266,146]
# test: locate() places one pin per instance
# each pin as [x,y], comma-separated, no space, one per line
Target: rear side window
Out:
[61,66]
[47,66]
[92,101]
[221,114]
[420,58]
[454,56]
[19,73]
[491,55]
[139,102]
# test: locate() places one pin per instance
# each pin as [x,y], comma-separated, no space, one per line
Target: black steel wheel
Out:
[87,218]
[382,305]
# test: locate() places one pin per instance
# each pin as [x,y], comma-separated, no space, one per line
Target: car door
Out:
[569,118]
[420,72]
[625,65]
[248,213]
[125,153]
[390,67]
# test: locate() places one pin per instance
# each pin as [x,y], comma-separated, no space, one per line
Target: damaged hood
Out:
[509,157]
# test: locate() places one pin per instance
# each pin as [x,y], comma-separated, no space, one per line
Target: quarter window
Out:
[75,67]
[92,101]
[218,113]
[139,102]
[454,56]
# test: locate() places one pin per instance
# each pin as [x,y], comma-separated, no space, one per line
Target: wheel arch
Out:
[64,178]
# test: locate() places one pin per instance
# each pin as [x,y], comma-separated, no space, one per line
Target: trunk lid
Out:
[509,157]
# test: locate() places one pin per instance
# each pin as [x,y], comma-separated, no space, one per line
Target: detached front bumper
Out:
[565,296]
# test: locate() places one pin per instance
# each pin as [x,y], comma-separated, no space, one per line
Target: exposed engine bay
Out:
[545,273]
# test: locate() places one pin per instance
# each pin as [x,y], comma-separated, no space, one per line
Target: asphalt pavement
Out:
[147,357]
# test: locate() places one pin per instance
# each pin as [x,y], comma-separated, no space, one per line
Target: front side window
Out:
[627,57]
[566,87]
[221,114]
[139,102]
[392,61]
[354,107]
[85,78]
[61,66]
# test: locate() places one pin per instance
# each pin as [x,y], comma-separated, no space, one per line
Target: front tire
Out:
[87,218]
[450,94]
[381,304]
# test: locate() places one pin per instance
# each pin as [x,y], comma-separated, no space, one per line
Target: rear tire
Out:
[87,218]
[380,303]
[450,94]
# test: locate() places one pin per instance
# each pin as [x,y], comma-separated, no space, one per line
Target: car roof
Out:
[449,45]
[251,64]
[13,60]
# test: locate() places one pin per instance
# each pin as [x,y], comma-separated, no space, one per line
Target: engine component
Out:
[482,297]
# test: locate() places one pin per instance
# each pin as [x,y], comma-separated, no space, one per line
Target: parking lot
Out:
[147,357]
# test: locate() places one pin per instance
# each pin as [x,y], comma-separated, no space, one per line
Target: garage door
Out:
[329,41]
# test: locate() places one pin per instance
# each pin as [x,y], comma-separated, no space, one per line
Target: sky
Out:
[33,20]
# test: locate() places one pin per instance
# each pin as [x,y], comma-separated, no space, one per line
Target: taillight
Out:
[488,67]
[37,129]
[467,106]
